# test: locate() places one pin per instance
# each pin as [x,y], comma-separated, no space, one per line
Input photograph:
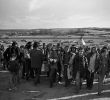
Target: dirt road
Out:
[28,91]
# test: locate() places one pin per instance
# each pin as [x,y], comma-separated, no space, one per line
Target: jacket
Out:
[80,63]
[96,60]
[36,58]
[103,65]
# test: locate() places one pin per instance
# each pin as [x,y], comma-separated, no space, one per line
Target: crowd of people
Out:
[61,64]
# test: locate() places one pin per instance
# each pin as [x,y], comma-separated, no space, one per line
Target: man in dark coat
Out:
[27,60]
[66,58]
[13,49]
[36,61]
[79,68]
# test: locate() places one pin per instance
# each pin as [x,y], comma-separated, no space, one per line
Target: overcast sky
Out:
[29,14]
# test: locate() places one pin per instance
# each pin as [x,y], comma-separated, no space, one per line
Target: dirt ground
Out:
[26,90]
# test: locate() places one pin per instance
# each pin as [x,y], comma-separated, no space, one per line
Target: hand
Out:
[51,59]
[90,70]
[55,60]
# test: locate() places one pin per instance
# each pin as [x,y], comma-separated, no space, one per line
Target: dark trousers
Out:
[27,68]
[90,79]
[52,76]
[59,71]
[23,68]
[79,80]
[37,72]
[48,71]
[65,75]
[5,64]
[101,77]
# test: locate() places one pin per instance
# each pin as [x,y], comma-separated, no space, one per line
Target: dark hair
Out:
[28,45]
[73,48]
[103,50]
[80,48]
[22,46]
[35,45]
[14,43]
[87,49]
[105,47]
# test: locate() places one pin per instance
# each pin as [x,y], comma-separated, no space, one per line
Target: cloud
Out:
[36,4]
[54,13]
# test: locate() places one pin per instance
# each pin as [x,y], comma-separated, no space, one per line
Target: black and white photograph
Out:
[54,49]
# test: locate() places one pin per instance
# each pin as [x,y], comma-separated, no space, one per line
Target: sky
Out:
[34,14]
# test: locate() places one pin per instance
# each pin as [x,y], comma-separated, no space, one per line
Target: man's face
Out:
[22,48]
[94,50]
[81,52]
[105,53]
[66,48]
[73,50]
[54,48]
[88,51]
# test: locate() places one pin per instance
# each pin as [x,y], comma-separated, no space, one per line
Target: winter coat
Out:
[36,58]
[53,59]
[103,65]
[89,55]
[66,58]
[13,66]
[80,65]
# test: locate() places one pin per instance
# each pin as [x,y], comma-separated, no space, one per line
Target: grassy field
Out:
[89,40]
[99,36]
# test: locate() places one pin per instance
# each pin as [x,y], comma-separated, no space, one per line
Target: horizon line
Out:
[50,28]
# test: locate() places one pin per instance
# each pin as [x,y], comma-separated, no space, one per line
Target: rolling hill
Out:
[57,31]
